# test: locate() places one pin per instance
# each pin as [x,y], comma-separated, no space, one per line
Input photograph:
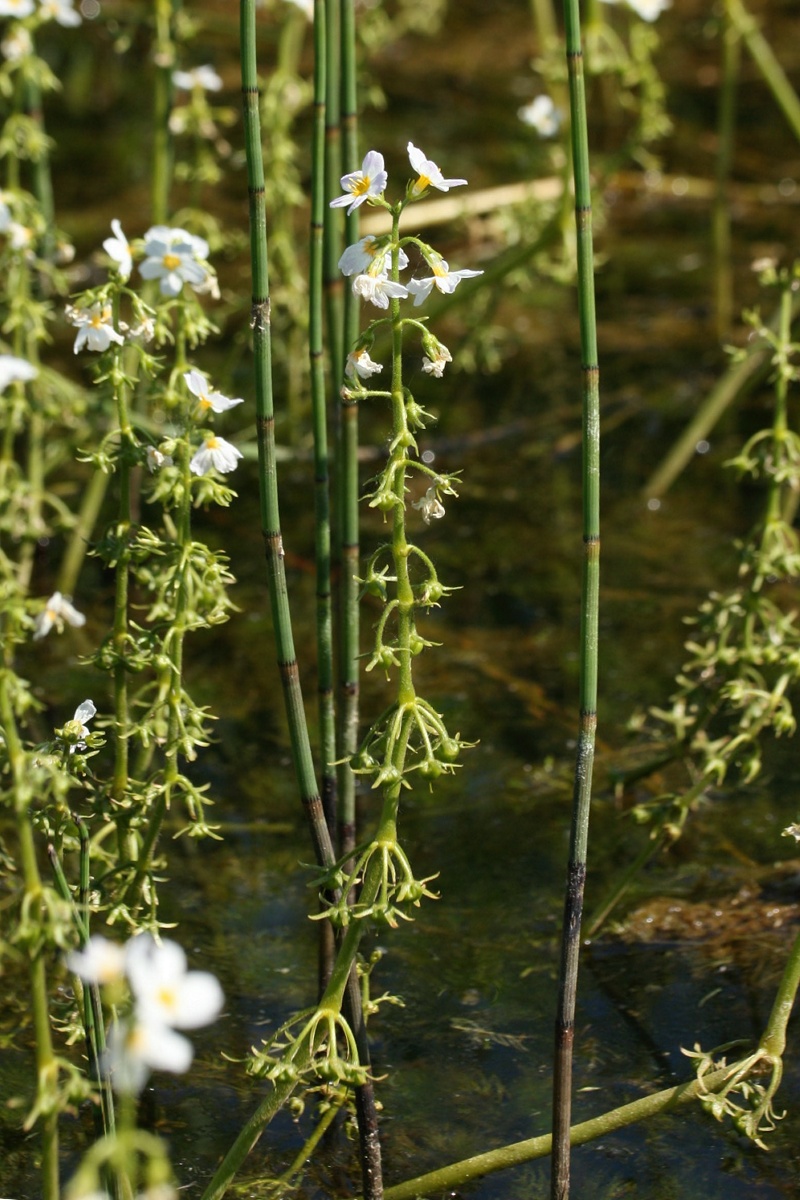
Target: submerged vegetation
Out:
[124,445]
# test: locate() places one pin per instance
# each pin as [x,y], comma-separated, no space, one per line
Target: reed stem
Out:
[576,875]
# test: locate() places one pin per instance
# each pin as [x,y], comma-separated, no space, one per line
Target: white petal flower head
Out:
[428,174]
[368,255]
[174,257]
[378,289]
[15,370]
[436,360]
[359,364]
[57,610]
[199,387]
[16,8]
[19,236]
[17,44]
[648,10]
[118,249]
[445,280]
[204,77]
[155,459]
[215,454]
[542,115]
[61,11]
[430,505]
[164,991]
[95,330]
[133,1051]
[77,729]
[100,961]
[360,185]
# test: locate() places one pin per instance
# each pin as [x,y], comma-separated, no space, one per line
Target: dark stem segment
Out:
[582,792]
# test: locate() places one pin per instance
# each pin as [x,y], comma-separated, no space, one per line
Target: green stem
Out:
[265,429]
[164,58]
[322,535]
[721,217]
[576,876]
[46,1065]
[764,57]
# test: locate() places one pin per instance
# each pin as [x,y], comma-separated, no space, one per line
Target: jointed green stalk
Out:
[347,474]
[573,905]
[265,427]
[325,671]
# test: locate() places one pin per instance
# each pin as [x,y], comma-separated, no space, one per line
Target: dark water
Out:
[468,1055]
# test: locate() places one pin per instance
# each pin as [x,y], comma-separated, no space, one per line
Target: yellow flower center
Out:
[211,443]
[422,183]
[166,997]
[439,270]
[171,261]
[204,402]
[360,186]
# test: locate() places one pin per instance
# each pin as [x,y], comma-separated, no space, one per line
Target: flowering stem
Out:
[46,1066]
[576,876]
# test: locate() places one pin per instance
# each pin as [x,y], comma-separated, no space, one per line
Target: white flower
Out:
[215,453]
[16,8]
[5,213]
[174,257]
[436,360]
[360,364]
[57,610]
[94,327]
[19,236]
[77,729]
[134,1050]
[118,249]
[648,10]
[542,115]
[430,505]
[61,11]
[360,185]
[13,370]
[100,961]
[17,44]
[446,281]
[428,174]
[198,386]
[378,289]
[367,255]
[199,77]
[792,831]
[156,459]
[164,991]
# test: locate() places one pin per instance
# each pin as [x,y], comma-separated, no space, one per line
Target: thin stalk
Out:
[322,515]
[46,1065]
[347,474]
[455,1175]
[579,833]
[265,428]
[78,543]
[764,57]
[164,58]
[721,216]
[333,171]
[736,382]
